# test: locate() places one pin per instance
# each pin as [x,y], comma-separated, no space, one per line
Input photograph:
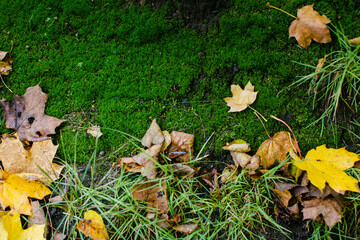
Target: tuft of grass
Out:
[237,210]
[335,83]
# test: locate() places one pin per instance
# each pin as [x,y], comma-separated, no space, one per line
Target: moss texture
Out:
[118,65]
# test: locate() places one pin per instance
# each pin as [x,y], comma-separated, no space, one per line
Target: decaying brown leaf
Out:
[185,228]
[143,162]
[284,196]
[94,131]
[32,164]
[38,216]
[319,66]
[241,99]
[354,41]
[275,149]
[154,194]
[26,115]
[184,170]
[229,174]
[181,148]
[329,208]
[310,25]
[5,63]
[153,136]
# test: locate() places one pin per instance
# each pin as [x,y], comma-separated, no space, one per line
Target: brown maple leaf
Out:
[26,115]
[329,208]
[32,164]
[275,148]
[5,63]
[310,25]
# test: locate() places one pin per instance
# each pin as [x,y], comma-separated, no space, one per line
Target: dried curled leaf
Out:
[15,191]
[310,25]
[181,148]
[238,149]
[93,226]
[35,163]
[185,228]
[241,99]
[153,136]
[94,131]
[26,115]
[327,165]
[143,162]
[11,229]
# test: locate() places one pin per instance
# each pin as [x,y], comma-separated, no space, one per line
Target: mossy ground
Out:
[115,66]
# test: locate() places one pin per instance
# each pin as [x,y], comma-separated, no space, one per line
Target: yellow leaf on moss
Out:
[10,228]
[327,165]
[15,191]
[241,99]
[93,226]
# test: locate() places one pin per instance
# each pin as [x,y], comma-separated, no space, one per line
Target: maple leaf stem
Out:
[257,114]
[5,84]
[296,141]
[271,6]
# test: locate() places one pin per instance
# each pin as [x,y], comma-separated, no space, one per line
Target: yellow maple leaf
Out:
[327,165]
[10,228]
[241,99]
[33,164]
[93,226]
[15,191]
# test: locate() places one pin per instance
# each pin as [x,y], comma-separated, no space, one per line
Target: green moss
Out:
[115,66]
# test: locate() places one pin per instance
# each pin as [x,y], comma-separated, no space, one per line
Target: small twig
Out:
[271,6]
[258,113]
[262,124]
[5,83]
[12,45]
[296,141]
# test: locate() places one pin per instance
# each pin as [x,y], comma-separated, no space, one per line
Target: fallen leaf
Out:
[181,148]
[310,25]
[284,196]
[26,115]
[154,194]
[153,136]
[35,163]
[241,99]
[238,149]
[327,165]
[355,41]
[275,149]
[166,222]
[94,131]
[15,191]
[93,226]
[229,174]
[167,141]
[211,179]
[185,228]
[319,66]
[10,228]
[184,170]
[5,63]
[329,208]
[142,162]
[38,216]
